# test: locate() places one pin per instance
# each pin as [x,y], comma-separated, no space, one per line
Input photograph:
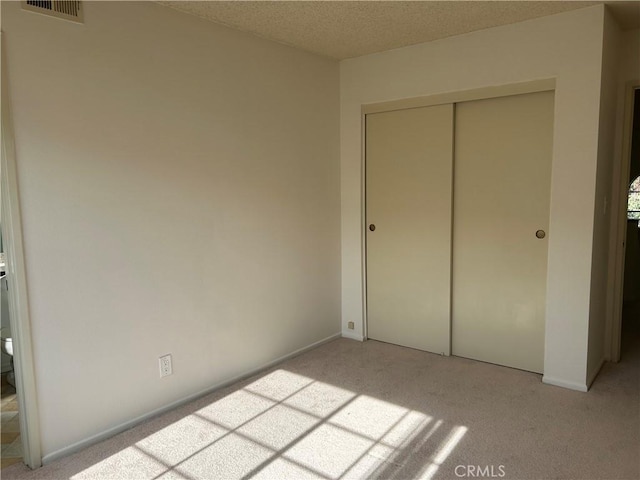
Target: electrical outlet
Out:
[165,365]
[350,325]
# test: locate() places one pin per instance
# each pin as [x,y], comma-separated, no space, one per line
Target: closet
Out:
[457,212]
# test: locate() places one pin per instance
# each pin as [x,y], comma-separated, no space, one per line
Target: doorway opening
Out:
[630,331]
[11,440]
[14,291]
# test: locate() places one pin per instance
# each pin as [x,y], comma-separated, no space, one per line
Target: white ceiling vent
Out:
[66,9]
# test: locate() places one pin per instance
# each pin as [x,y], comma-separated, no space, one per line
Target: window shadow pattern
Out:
[286,425]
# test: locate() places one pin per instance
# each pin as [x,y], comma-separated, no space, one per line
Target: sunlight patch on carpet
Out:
[286,425]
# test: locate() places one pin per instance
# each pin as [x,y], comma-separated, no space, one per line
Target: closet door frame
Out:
[534,86]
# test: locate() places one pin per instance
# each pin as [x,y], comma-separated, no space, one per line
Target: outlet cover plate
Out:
[166,367]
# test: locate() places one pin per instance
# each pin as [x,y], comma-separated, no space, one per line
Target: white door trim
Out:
[619,233]
[493,91]
[16,277]
[363,223]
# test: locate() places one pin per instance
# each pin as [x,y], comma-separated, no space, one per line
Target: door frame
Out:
[19,318]
[542,85]
[619,228]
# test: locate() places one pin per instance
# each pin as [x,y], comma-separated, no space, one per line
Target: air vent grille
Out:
[67,9]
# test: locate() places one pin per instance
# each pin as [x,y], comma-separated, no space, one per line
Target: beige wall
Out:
[603,199]
[567,47]
[179,184]
[629,68]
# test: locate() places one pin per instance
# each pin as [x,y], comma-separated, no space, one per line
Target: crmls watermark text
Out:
[480,471]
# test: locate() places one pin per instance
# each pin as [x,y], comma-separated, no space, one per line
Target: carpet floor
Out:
[373,410]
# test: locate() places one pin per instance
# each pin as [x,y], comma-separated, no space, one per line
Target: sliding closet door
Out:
[501,216]
[408,187]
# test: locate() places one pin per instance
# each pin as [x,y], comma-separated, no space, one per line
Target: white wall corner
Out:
[352,335]
[605,224]
[591,378]
[558,382]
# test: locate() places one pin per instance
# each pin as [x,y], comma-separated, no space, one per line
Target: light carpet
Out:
[373,410]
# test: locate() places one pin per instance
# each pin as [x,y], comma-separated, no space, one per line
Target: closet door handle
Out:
[372,227]
[541,234]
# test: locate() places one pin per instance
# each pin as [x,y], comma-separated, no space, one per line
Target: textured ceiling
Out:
[346,29]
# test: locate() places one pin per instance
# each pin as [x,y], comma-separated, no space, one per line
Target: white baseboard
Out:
[558,382]
[352,335]
[595,373]
[76,447]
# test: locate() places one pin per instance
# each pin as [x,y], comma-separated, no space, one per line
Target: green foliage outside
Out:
[633,210]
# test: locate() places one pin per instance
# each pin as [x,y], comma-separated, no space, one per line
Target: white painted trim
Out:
[16,277]
[82,444]
[558,382]
[614,330]
[363,229]
[493,91]
[353,336]
[595,373]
